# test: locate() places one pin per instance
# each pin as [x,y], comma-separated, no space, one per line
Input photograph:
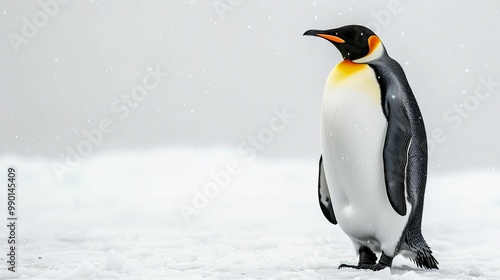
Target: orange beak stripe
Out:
[331,38]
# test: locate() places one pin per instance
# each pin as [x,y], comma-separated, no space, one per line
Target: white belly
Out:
[353,129]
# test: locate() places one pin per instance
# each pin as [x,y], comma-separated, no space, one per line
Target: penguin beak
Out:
[321,33]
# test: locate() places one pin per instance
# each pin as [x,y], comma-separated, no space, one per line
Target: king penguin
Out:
[373,167]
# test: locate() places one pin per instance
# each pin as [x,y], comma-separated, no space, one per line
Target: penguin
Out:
[373,163]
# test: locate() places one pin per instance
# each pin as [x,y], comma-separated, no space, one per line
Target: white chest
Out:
[353,129]
[353,125]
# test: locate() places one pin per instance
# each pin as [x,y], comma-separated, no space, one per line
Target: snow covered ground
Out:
[117,217]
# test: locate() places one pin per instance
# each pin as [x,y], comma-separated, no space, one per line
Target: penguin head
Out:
[355,42]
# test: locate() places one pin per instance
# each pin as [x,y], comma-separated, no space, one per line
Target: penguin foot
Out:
[374,267]
[359,266]
[385,261]
[378,267]
[347,266]
[367,260]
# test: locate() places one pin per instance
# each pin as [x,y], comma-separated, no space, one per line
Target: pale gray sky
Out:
[64,65]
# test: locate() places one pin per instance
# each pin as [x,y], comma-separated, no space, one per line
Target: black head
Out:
[353,41]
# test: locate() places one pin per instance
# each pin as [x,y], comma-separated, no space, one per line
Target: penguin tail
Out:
[425,259]
[415,248]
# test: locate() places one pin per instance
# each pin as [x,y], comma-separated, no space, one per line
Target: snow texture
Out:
[117,217]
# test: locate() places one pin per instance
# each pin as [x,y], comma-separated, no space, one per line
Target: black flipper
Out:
[325,202]
[399,132]
[397,141]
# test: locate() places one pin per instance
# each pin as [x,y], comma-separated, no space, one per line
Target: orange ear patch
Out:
[332,38]
[373,43]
